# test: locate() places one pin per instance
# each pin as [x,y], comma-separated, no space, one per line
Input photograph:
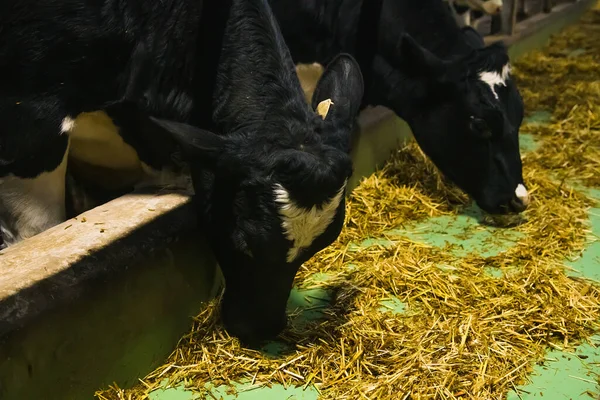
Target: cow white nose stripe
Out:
[522,194]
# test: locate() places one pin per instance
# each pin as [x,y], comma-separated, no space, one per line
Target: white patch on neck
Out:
[29,206]
[302,226]
[67,125]
[493,78]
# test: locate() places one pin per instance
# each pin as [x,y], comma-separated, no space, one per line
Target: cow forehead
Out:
[303,225]
[495,78]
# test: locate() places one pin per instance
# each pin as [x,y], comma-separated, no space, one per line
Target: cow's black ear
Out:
[195,142]
[473,37]
[495,55]
[416,61]
[338,94]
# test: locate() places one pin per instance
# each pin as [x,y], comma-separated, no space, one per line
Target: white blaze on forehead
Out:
[67,125]
[494,78]
[301,225]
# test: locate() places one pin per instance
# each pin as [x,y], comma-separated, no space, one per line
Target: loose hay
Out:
[465,334]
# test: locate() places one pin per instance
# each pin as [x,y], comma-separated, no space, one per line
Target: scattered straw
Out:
[464,334]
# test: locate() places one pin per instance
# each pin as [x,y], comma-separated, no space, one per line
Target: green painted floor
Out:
[563,375]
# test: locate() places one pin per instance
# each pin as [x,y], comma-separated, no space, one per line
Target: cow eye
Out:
[480,127]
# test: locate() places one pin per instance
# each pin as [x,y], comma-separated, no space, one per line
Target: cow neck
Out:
[367,43]
[433,26]
[256,78]
[213,24]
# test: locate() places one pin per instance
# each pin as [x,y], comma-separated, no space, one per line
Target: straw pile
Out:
[465,333]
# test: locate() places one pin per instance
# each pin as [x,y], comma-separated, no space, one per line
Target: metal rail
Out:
[515,11]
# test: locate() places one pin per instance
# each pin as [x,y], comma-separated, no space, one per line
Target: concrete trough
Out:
[104,297]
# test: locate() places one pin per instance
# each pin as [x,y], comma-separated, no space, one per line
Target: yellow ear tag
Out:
[323,108]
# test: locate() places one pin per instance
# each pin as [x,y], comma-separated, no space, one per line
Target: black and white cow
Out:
[269,186]
[456,94]
[471,12]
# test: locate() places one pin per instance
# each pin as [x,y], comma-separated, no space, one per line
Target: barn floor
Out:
[554,255]
[567,374]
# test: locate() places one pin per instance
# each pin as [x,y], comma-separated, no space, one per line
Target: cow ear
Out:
[473,37]
[414,60]
[338,94]
[496,53]
[195,142]
[493,57]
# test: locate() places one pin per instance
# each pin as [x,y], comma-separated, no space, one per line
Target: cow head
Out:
[271,194]
[465,114]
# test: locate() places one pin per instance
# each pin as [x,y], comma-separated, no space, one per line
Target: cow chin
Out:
[250,320]
[253,308]
[254,326]
[504,206]
[493,208]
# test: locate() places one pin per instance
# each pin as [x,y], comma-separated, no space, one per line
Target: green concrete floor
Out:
[563,375]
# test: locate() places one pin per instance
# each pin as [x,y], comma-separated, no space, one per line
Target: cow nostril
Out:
[517,204]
